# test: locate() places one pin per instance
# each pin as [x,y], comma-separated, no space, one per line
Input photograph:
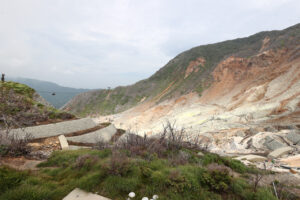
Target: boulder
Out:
[78,194]
[280,152]
[270,129]
[273,144]
[251,131]
[128,136]
[294,137]
[252,158]
[200,154]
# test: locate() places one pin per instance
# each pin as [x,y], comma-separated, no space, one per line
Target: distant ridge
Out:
[46,89]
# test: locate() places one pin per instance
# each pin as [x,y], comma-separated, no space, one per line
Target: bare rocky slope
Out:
[240,97]
[196,71]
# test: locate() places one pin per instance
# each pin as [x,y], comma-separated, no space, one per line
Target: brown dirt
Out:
[244,73]
[20,163]
[194,66]
[265,43]
[51,143]
[292,161]
[51,121]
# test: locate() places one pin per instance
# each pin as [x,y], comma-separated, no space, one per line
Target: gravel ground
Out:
[104,135]
[49,130]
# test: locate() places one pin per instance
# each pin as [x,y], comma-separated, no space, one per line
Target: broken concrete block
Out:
[63,142]
[74,147]
[253,158]
[294,137]
[101,135]
[78,194]
[279,152]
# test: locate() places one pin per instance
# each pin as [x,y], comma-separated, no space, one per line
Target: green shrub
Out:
[3,150]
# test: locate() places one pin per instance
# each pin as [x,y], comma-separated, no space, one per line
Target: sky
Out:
[107,43]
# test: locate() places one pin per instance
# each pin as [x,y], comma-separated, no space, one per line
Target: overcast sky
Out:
[101,43]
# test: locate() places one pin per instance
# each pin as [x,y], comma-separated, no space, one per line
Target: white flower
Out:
[145,198]
[131,194]
[155,197]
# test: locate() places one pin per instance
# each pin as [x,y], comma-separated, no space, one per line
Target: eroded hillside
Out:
[193,71]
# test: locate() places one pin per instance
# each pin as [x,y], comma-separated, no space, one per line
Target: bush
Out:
[119,164]
[178,182]
[236,165]
[85,161]
[217,180]
[170,141]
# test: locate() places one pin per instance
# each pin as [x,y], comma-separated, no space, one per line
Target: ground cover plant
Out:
[114,173]
[165,165]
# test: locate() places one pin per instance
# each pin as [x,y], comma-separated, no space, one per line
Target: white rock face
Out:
[279,152]
[253,158]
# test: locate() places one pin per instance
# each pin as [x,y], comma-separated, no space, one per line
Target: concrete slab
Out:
[63,142]
[78,194]
[253,158]
[279,152]
[55,129]
[73,147]
[104,135]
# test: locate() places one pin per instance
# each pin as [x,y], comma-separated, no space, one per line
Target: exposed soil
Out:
[20,163]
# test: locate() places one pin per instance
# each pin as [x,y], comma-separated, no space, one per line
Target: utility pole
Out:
[2,78]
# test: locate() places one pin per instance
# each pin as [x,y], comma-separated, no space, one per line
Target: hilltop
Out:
[21,106]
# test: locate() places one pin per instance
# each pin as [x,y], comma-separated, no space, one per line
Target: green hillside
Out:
[45,89]
[21,106]
[172,75]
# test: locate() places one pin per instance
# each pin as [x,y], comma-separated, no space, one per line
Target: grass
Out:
[19,88]
[93,171]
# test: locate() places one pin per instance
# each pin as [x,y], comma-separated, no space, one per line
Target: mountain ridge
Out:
[174,80]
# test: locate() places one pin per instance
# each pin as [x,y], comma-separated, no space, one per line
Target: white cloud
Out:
[100,43]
